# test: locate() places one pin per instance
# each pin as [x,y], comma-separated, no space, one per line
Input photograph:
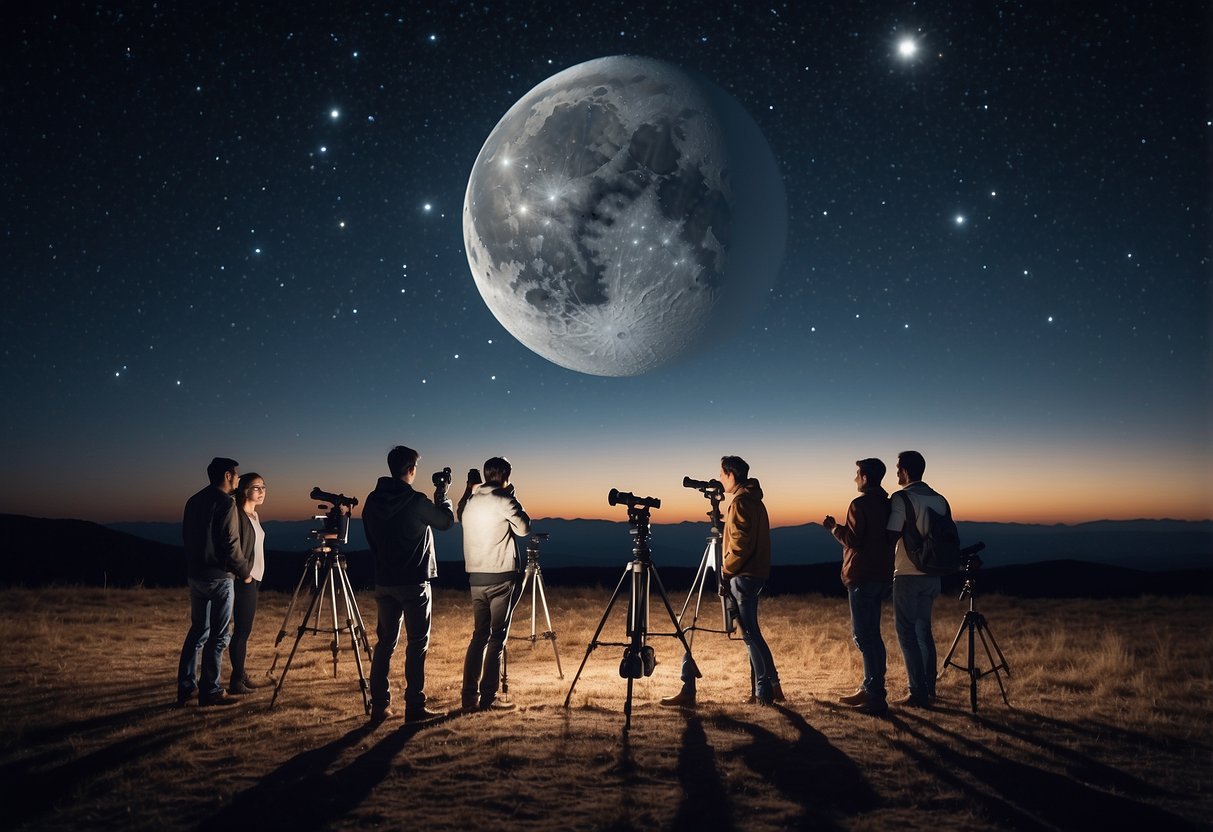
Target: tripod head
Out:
[714,491]
[532,546]
[638,516]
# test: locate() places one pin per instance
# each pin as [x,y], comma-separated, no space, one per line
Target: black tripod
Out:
[534,579]
[974,623]
[638,657]
[711,560]
[326,567]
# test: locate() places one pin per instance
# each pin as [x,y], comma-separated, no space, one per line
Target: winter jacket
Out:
[747,533]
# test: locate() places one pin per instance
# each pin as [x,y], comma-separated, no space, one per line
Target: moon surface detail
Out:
[624,213]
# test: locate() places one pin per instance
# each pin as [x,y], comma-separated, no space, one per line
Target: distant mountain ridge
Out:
[1152,545]
[78,552]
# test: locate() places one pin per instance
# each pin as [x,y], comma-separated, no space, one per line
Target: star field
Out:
[240,234]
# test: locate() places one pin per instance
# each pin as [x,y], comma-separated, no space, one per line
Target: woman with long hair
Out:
[250,494]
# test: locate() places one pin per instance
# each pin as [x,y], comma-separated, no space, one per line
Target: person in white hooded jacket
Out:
[491,517]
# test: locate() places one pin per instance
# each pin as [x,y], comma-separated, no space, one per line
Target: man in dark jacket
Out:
[399,524]
[211,535]
[867,573]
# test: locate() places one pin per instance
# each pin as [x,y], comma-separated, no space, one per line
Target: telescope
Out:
[616,497]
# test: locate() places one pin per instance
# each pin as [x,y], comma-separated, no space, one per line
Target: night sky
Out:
[239,233]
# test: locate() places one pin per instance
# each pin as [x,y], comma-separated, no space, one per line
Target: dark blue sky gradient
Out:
[179,282]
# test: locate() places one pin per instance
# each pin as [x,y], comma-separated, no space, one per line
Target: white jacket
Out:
[491,518]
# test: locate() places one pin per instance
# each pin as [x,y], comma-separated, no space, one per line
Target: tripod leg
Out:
[289,608]
[677,627]
[548,618]
[509,622]
[947,660]
[973,672]
[983,631]
[700,578]
[312,602]
[330,582]
[594,639]
[347,595]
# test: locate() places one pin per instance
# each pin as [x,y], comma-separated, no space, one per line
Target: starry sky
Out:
[235,229]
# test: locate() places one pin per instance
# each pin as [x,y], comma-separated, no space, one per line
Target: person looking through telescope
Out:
[746,566]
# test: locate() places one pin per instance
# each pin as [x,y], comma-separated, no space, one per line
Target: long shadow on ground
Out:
[303,794]
[1021,795]
[810,771]
[705,803]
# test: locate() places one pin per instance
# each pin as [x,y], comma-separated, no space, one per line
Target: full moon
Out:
[624,213]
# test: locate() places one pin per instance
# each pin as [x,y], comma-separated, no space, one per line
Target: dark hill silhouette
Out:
[45,552]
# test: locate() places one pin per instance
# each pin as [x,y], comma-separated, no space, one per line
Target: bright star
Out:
[335,114]
[960,219]
[907,48]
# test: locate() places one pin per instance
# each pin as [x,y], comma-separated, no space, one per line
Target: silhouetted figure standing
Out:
[399,524]
[914,593]
[867,573]
[211,534]
[250,494]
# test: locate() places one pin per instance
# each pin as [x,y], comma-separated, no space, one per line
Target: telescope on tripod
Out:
[329,579]
[640,575]
[975,626]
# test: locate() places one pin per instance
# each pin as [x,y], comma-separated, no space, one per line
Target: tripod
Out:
[638,657]
[711,560]
[326,566]
[534,579]
[974,623]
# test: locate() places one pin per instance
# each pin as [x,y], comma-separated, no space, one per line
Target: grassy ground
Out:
[1108,726]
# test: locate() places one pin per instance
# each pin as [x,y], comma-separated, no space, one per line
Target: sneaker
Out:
[683,699]
[855,699]
[422,714]
[219,700]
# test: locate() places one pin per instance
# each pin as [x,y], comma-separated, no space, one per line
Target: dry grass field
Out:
[1109,727]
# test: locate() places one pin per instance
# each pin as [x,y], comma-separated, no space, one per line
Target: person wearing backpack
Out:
[914,590]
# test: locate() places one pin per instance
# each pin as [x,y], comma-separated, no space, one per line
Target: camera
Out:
[703,485]
[442,479]
[474,476]
[615,497]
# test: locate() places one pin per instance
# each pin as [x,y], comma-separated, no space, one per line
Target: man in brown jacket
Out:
[867,573]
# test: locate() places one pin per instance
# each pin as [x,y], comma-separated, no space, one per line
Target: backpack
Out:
[938,552]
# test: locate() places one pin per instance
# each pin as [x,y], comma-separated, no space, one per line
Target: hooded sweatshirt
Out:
[747,533]
[399,524]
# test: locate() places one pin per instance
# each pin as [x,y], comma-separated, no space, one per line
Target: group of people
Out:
[225,564]
[224,546]
[877,564]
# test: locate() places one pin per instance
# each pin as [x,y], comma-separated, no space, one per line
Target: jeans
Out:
[746,591]
[410,603]
[482,665]
[913,597]
[210,616]
[244,611]
[866,600]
